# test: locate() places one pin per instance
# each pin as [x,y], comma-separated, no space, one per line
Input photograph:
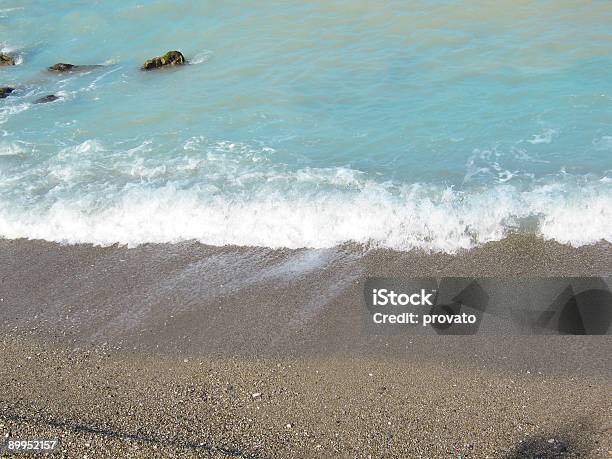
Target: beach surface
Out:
[182,350]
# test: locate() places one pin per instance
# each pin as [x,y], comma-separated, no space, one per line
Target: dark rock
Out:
[61,67]
[5,92]
[46,99]
[169,59]
[5,59]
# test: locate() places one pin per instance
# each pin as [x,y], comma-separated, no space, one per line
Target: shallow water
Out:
[308,125]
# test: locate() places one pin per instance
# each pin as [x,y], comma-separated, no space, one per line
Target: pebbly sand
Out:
[186,350]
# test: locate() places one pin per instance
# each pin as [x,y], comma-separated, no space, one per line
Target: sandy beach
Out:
[306,229]
[188,350]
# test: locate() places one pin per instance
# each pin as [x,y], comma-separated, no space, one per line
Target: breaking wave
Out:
[312,208]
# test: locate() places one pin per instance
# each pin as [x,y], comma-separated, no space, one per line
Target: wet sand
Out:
[161,350]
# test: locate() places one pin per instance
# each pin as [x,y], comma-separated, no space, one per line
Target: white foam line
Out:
[447,222]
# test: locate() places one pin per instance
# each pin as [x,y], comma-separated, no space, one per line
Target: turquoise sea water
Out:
[439,125]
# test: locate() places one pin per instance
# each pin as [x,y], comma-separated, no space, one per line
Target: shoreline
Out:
[191,299]
[191,350]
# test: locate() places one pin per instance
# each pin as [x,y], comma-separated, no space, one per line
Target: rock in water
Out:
[46,99]
[5,59]
[168,59]
[61,67]
[5,92]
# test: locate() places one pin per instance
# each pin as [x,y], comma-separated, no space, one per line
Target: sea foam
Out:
[413,217]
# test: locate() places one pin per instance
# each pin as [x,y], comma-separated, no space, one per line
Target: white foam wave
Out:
[9,10]
[11,50]
[12,149]
[224,193]
[415,217]
[200,58]
[9,110]
[92,86]
[546,136]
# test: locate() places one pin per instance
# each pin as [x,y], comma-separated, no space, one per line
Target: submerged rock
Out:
[46,99]
[5,91]
[5,59]
[61,68]
[168,59]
